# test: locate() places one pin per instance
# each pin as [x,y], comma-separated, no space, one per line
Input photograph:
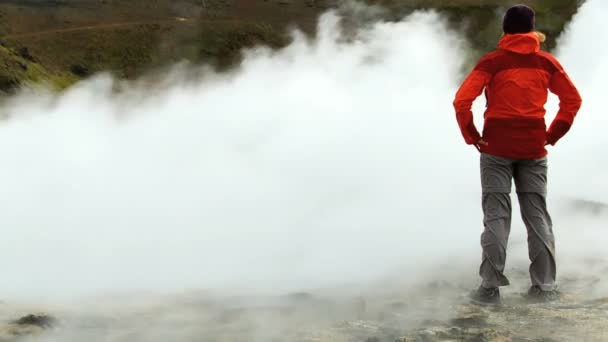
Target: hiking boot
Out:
[538,295]
[484,296]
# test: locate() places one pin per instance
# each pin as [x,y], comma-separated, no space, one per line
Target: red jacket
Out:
[516,78]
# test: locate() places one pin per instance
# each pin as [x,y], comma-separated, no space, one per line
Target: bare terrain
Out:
[434,312]
[71,39]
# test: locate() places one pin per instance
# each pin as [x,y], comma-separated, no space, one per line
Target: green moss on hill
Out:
[15,70]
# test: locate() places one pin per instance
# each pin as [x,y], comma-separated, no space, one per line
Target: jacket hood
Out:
[522,43]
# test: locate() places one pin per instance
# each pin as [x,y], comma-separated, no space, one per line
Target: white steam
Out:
[326,163]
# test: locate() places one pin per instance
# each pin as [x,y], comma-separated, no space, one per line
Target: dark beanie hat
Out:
[518,19]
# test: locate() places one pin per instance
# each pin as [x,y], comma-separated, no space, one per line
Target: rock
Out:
[25,54]
[41,321]
[469,322]
[300,296]
[8,84]
[80,70]
[26,326]
[593,207]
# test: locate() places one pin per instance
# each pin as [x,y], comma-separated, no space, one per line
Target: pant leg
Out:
[531,182]
[496,177]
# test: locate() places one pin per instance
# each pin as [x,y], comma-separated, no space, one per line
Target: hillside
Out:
[19,67]
[72,39]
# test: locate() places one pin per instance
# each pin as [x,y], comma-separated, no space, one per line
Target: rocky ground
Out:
[439,312]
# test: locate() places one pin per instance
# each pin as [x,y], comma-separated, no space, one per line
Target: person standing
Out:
[516,78]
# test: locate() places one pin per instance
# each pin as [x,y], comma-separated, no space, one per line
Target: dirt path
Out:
[173,20]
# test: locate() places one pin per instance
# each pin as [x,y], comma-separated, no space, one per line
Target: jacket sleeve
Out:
[569,103]
[470,89]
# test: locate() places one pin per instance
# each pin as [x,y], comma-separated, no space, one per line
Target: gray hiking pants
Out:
[531,184]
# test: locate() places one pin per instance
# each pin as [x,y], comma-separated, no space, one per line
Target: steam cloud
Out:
[326,163]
